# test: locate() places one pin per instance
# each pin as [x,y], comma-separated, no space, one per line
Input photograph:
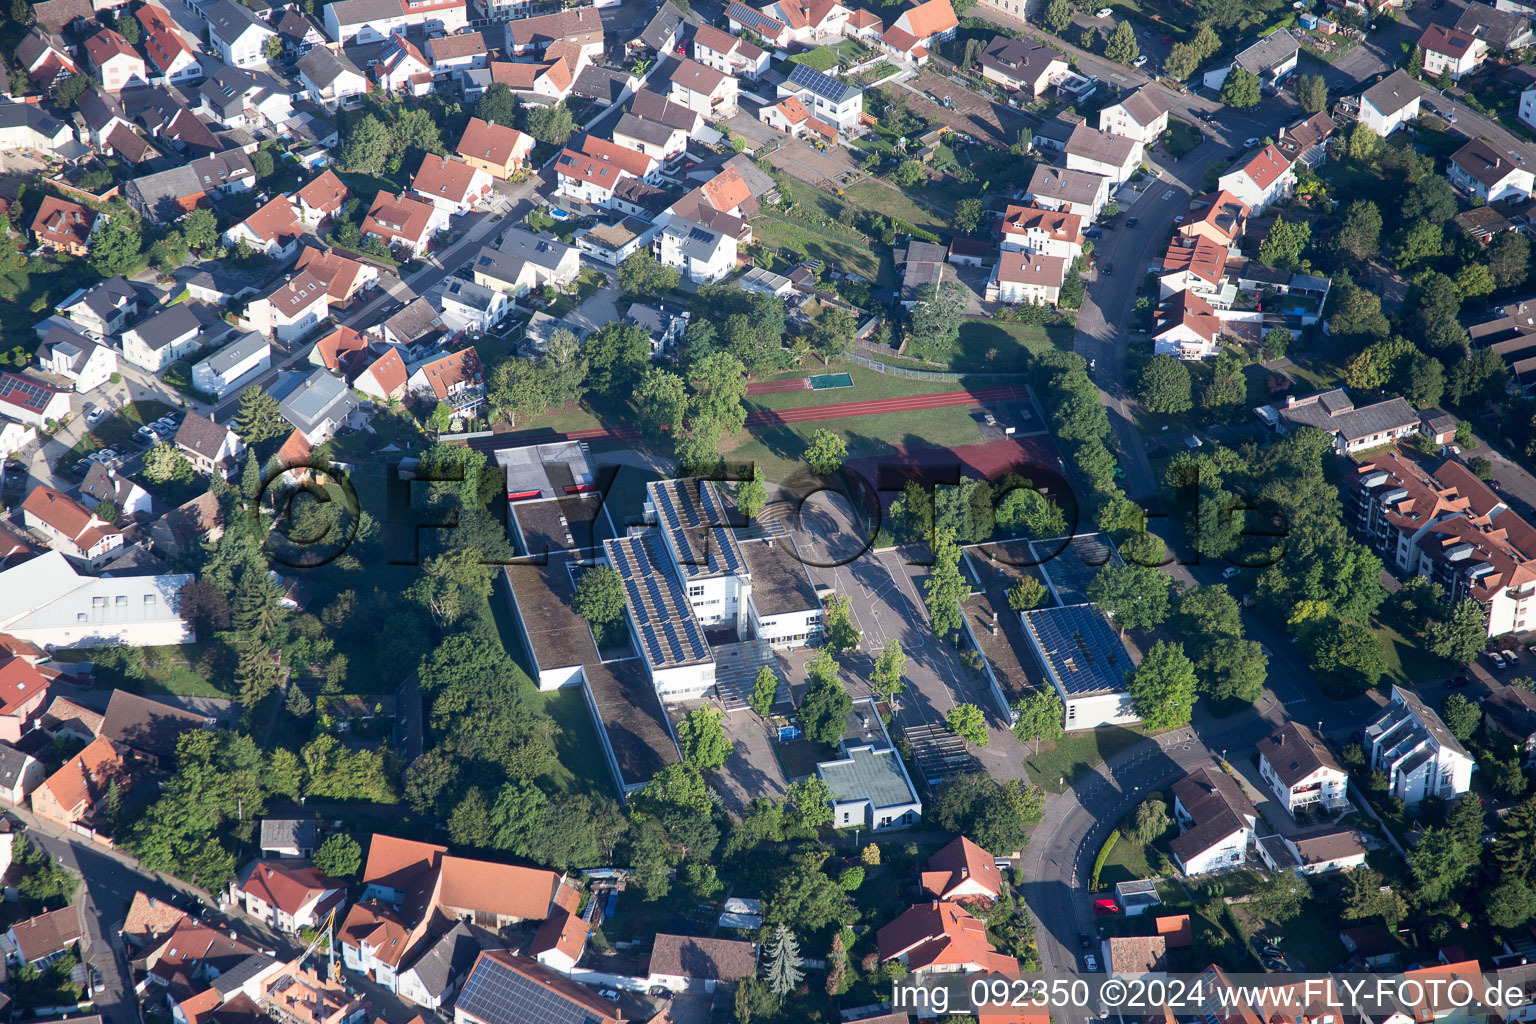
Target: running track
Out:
[777,417]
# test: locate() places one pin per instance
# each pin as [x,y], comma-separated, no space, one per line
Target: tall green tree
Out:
[259,417]
[824,709]
[1164,385]
[1121,47]
[825,452]
[1461,635]
[969,723]
[784,973]
[1242,89]
[887,677]
[1312,93]
[1163,687]
[945,587]
[702,739]
[1133,596]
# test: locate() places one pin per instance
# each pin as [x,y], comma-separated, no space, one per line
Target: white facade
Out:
[1228,852]
[1116,120]
[99,366]
[1527,111]
[245,49]
[138,352]
[1421,758]
[703,258]
[232,366]
[274,319]
[1326,787]
[47,603]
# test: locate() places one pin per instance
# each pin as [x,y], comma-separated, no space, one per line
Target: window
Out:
[121,601]
[98,602]
[149,599]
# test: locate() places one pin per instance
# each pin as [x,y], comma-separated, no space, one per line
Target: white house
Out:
[45,601]
[1301,771]
[1490,175]
[101,484]
[663,142]
[1327,849]
[829,99]
[274,229]
[704,90]
[1200,267]
[1216,822]
[912,35]
[402,69]
[118,65]
[961,871]
[286,897]
[350,22]
[592,173]
[1027,277]
[237,35]
[1025,66]
[870,787]
[1271,58]
[1141,115]
[1078,192]
[1116,157]
[1265,178]
[1390,102]
[453,186]
[702,254]
[72,529]
[1409,742]
[1186,326]
[330,77]
[405,221]
[87,363]
[467,306]
[172,59]
[1451,49]
[31,401]
[526,261]
[104,308]
[730,54]
[686,964]
[159,341]
[291,309]
[232,366]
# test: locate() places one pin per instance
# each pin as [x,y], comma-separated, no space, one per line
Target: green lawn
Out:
[833,246]
[780,449]
[1000,347]
[1309,939]
[867,385]
[582,769]
[1127,862]
[1182,137]
[821,58]
[1407,662]
[190,670]
[872,195]
[1076,754]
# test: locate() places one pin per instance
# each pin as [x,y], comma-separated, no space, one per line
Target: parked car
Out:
[1106,906]
[1229,572]
[1139,61]
[1130,222]
[1109,268]
[1458,682]
[1091,962]
[1497,659]
[1103,12]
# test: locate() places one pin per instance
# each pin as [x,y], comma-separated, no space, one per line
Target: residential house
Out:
[1391,102]
[341,351]
[274,229]
[451,185]
[659,141]
[165,337]
[1218,216]
[1306,141]
[289,838]
[20,774]
[1116,157]
[1185,326]
[702,89]
[417,327]
[664,325]
[663,33]
[23,687]
[1264,178]
[1301,771]
[498,150]
[39,941]
[318,202]
[1501,30]
[789,115]
[433,978]
[914,32]
[504,988]
[63,226]
[581,26]
[1509,716]
[732,55]
[1450,49]
[24,126]
[739,16]
[1216,822]
[344,277]
[209,446]
[469,307]
[1141,115]
[1272,58]
[682,963]
[103,308]
[45,59]
[551,80]
[590,174]
[237,34]
[291,309]
[1027,277]
[1078,192]
[1200,268]
[118,65]
[318,404]
[701,253]
[406,222]
[237,98]
[359,22]
[330,78]
[172,58]
[653,106]
[457,53]
[70,795]
[1488,174]
[30,401]
[184,529]
[285,897]
[1022,65]
[526,262]
[1326,849]
[402,69]
[384,378]
[299,33]
[233,366]
[962,871]
[71,528]
[810,21]
[941,938]
[1335,413]
[455,378]
[85,362]
[102,484]
[1409,742]
[829,99]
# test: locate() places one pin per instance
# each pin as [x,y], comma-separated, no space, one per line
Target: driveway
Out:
[600,308]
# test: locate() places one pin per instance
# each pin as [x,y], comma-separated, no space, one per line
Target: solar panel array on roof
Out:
[497,994]
[695,521]
[668,631]
[24,392]
[1080,648]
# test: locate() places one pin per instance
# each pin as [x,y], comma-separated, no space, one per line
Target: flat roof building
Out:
[1086,662]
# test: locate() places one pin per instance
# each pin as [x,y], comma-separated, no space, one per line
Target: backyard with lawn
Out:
[1059,763]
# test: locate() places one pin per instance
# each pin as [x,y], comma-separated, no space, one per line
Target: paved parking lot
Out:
[884,596]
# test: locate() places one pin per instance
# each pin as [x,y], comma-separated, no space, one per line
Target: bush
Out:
[1102,859]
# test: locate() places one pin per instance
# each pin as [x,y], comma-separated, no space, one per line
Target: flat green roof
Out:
[866,774]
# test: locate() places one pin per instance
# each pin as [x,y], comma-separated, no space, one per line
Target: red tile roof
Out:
[388,372]
[107,44]
[448,371]
[287,887]
[493,143]
[325,192]
[727,190]
[444,179]
[1450,42]
[939,935]
[929,19]
[1266,167]
[297,293]
[68,517]
[85,777]
[404,216]
[1206,259]
[380,927]
[20,684]
[275,222]
[339,273]
[1060,225]
[394,863]
[961,861]
[62,222]
[162,41]
[340,347]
